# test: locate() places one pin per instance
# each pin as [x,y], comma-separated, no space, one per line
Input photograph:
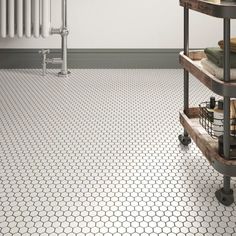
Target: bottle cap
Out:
[212,102]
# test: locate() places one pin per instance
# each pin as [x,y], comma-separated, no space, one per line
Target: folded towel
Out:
[216,55]
[232,44]
[215,70]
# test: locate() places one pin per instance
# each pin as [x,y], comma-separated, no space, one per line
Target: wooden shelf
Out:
[207,145]
[225,9]
[192,64]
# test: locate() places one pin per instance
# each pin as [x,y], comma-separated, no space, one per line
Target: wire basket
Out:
[214,125]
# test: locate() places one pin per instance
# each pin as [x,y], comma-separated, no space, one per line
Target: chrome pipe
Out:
[63,31]
[64,35]
[64,13]
[55,31]
[64,69]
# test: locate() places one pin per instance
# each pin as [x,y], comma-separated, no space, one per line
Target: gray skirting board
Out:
[94,58]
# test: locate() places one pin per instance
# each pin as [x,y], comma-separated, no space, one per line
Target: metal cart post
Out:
[185,139]
[225,194]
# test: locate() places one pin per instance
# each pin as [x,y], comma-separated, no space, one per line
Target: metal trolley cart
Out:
[224,164]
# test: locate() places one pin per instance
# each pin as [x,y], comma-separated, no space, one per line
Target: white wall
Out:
[126,24]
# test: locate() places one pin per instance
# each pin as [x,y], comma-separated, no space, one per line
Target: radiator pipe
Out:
[64,13]
[64,32]
[64,35]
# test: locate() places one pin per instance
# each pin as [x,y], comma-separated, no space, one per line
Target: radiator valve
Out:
[44,53]
[46,60]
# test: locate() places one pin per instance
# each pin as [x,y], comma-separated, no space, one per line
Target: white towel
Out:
[215,70]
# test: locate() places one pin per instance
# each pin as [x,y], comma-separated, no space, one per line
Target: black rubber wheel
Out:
[184,140]
[225,198]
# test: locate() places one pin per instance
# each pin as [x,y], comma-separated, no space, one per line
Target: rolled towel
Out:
[232,44]
[216,55]
[215,1]
[215,70]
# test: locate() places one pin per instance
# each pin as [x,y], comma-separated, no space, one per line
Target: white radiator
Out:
[25,18]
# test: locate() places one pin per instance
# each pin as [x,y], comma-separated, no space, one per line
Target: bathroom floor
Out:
[97,153]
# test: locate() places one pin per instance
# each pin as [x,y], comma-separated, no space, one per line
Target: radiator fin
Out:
[3,18]
[25,18]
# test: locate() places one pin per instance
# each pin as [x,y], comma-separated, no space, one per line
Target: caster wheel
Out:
[225,198]
[184,140]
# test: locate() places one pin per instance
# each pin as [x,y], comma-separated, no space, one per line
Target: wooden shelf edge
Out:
[206,143]
[216,85]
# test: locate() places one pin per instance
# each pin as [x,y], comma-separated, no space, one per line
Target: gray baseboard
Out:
[94,58]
